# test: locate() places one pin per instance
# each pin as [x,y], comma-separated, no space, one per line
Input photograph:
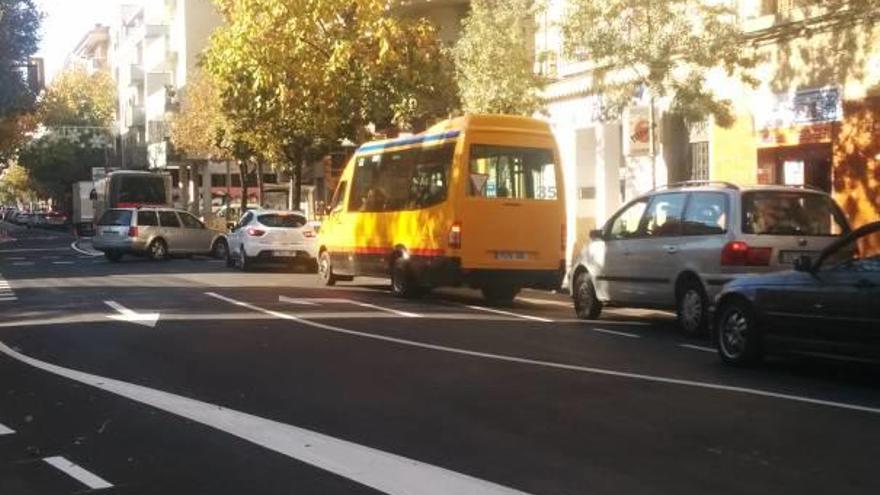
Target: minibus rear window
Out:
[512,172]
[401,180]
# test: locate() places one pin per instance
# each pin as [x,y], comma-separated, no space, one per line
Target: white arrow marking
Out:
[127,315]
[329,300]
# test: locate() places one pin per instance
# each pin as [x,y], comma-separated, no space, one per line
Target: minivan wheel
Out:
[403,283]
[737,336]
[692,309]
[158,250]
[325,270]
[586,305]
[498,294]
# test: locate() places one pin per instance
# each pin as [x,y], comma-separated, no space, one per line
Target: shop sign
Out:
[805,107]
[637,141]
[793,172]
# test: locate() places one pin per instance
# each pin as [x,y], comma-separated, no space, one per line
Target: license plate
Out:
[284,254]
[789,257]
[110,232]
[511,255]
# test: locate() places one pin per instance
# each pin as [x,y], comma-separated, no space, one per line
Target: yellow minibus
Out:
[474,201]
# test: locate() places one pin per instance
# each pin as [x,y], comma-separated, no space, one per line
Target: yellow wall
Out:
[733,152]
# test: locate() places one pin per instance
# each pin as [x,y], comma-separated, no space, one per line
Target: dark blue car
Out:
[825,306]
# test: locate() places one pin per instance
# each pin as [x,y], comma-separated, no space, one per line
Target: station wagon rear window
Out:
[116,218]
[791,213]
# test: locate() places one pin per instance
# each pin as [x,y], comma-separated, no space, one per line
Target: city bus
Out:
[475,201]
[131,188]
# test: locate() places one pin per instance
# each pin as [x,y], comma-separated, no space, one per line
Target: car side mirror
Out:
[93,195]
[803,264]
[597,235]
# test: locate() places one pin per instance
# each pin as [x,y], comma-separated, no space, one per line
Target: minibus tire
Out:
[403,283]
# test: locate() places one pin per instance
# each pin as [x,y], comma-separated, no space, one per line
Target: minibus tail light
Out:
[738,253]
[132,231]
[455,236]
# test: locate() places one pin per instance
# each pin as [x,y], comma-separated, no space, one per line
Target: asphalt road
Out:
[185,377]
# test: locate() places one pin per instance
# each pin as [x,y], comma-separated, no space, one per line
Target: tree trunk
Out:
[260,186]
[243,172]
[297,187]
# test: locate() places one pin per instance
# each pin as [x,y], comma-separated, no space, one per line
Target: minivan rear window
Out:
[116,217]
[284,221]
[791,213]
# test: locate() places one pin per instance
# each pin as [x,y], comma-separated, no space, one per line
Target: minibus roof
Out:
[450,129]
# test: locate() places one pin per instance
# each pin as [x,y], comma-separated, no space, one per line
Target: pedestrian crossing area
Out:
[6,293]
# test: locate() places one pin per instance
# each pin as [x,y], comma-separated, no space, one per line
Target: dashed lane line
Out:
[508,313]
[5,430]
[62,262]
[316,301]
[553,365]
[32,250]
[382,471]
[615,332]
[698,348]
[93,481]
[23,263]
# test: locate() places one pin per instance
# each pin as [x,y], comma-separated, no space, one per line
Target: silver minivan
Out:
[675,247]
[155,232]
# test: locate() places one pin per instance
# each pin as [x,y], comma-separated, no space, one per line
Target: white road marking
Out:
[6,431]
[547,302]
[23,263]
[32,250]
[92,481]
[62,262]
[8,298]
[698,348]
[604,322]
[614,332]
[127,315]
[383,471]
[75,247]
[16,258]
[330,300]
[508,313]
[550,364]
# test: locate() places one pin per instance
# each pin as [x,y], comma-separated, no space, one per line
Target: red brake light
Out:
[738,253]
[132,231]
[455,235]
[254,232]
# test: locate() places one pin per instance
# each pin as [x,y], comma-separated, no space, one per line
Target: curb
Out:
[74,245]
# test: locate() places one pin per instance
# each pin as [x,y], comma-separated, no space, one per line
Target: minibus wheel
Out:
[403,283]
[499,294]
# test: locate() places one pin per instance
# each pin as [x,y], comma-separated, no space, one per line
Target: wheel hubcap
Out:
[692,309]
[733,333]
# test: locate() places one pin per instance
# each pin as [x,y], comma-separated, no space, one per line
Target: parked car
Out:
[36,219]
[155,232]
[675,247]
[22,218]
[827,305]
[272,236]
[55,219]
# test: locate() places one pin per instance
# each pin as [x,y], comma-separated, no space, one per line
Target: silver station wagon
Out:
[675,247]
[155,232]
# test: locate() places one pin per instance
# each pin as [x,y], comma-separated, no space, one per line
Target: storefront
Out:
[795,134]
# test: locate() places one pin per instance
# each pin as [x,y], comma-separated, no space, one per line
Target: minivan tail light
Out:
[455,235]
[132,231]
[738,253]
[253,232]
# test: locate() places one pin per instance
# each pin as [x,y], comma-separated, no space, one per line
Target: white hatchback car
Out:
[272,237]
[675,247]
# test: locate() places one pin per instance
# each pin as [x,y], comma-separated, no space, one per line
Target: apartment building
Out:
[814,120]
[92,52]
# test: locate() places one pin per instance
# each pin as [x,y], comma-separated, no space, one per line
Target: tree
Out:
[74,114]
[297,77]
[15,185]
[666,47]
[494,66]
[19,40]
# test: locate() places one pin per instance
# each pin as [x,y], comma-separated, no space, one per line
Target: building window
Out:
[700,161]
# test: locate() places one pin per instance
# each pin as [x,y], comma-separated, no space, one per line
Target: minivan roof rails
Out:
[693,183]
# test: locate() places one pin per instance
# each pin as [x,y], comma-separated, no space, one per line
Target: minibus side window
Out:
[512,172]
[408,179]
[338,196]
